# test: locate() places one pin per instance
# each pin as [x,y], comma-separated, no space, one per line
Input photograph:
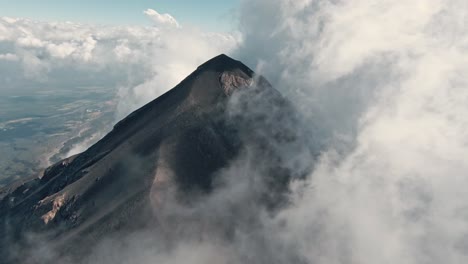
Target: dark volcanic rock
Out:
[172,149]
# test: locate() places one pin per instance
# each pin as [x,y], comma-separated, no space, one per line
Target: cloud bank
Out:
[140,62]
[386,80]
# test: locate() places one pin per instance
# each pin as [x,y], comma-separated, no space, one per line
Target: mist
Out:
[385,80]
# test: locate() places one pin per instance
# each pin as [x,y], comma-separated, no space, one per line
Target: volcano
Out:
[171,153]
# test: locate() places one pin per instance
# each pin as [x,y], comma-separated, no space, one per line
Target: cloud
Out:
[387,77]
[8,57]
[161,19]
[140,62]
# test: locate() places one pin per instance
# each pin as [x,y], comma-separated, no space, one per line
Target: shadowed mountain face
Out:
[219,127]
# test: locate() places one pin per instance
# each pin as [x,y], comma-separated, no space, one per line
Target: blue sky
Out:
[207,14]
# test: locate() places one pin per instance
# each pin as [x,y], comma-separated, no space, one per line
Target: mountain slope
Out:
[166,154]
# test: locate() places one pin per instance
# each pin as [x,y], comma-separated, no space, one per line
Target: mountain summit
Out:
[221,125]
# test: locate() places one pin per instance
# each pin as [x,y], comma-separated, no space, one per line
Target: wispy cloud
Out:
[161,19]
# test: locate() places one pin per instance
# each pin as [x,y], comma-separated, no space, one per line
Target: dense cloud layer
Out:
[388,76]
[140,62]
[381,82]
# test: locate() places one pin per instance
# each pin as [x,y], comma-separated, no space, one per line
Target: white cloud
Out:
[390,75]
[8,57]
[161,19]
[141,62]
[29,42]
